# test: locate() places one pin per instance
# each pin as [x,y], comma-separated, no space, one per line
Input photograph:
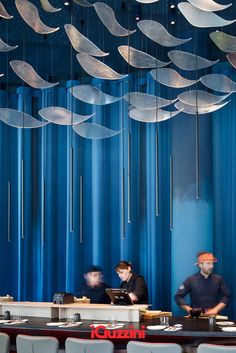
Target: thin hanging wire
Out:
[123,194]
[81,236]
[129,141]
[122,164]
[71,182]
[171,157]
[22,145]
[156,132]
[44,154]
[8,149]
[196,126]
[157,152]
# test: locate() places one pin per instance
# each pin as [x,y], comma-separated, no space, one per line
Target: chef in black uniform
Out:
[133,283]
[206,289]
[95,288]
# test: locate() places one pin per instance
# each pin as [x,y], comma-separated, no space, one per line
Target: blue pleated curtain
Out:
[224,187]
[44,247]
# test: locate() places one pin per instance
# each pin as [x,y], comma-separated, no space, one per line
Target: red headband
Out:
[208,257]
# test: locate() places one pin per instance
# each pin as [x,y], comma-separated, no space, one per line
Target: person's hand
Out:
[186,308]
[133,297]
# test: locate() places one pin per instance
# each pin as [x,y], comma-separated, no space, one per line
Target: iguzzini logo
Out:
[102,332]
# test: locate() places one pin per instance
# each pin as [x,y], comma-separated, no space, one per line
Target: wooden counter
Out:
[127,313]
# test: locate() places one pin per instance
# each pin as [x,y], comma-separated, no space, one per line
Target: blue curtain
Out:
[43,250]
[224,187]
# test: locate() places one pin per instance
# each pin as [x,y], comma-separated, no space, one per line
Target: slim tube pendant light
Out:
[171,192]
[9,211]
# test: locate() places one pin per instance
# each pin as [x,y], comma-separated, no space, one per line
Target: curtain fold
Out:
[46,251]
[224,188]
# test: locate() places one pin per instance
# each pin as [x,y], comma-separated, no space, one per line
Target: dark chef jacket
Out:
[137,285]
[204,292]
[96,294]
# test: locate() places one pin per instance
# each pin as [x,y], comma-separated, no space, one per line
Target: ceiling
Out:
[54,59]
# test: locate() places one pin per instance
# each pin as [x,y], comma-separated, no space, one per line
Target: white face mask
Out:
[93,278]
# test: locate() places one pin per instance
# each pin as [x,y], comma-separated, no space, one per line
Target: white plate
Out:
[54,323]
[16,322]
[224,323]
[156,327]
[228,329]
[114,327]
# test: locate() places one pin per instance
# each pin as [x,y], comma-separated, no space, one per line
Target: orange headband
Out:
[206,257]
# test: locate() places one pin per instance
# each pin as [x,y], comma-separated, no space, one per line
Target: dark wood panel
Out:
[194,331]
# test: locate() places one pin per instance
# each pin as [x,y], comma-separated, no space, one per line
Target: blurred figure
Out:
[133,283]
[94,287]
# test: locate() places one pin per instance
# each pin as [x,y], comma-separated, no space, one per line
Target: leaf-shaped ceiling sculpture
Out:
[145,101]
[62,116]
[30,15]
[82,44]
[192,109]
[107,16]
[152,115]
[3,12]
[27,73]
[232,59]
[170,78]
[139,59]
[94,131]
[200,98]
[224,41]
[4,47]
[147,1]
[156,32]
[92,95]
[208,5]
[218,82]
[200,18]
[83,3]
[97,69]
[48,7]
[18,119]
[189,61]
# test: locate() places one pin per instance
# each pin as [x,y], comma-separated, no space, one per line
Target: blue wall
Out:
[192,213]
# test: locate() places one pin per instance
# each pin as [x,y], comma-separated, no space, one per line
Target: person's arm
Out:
[183,290]
[224,300]
[83,291]
[225,294]
[133,297]
[216,309]
[186,308]
[140,288]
